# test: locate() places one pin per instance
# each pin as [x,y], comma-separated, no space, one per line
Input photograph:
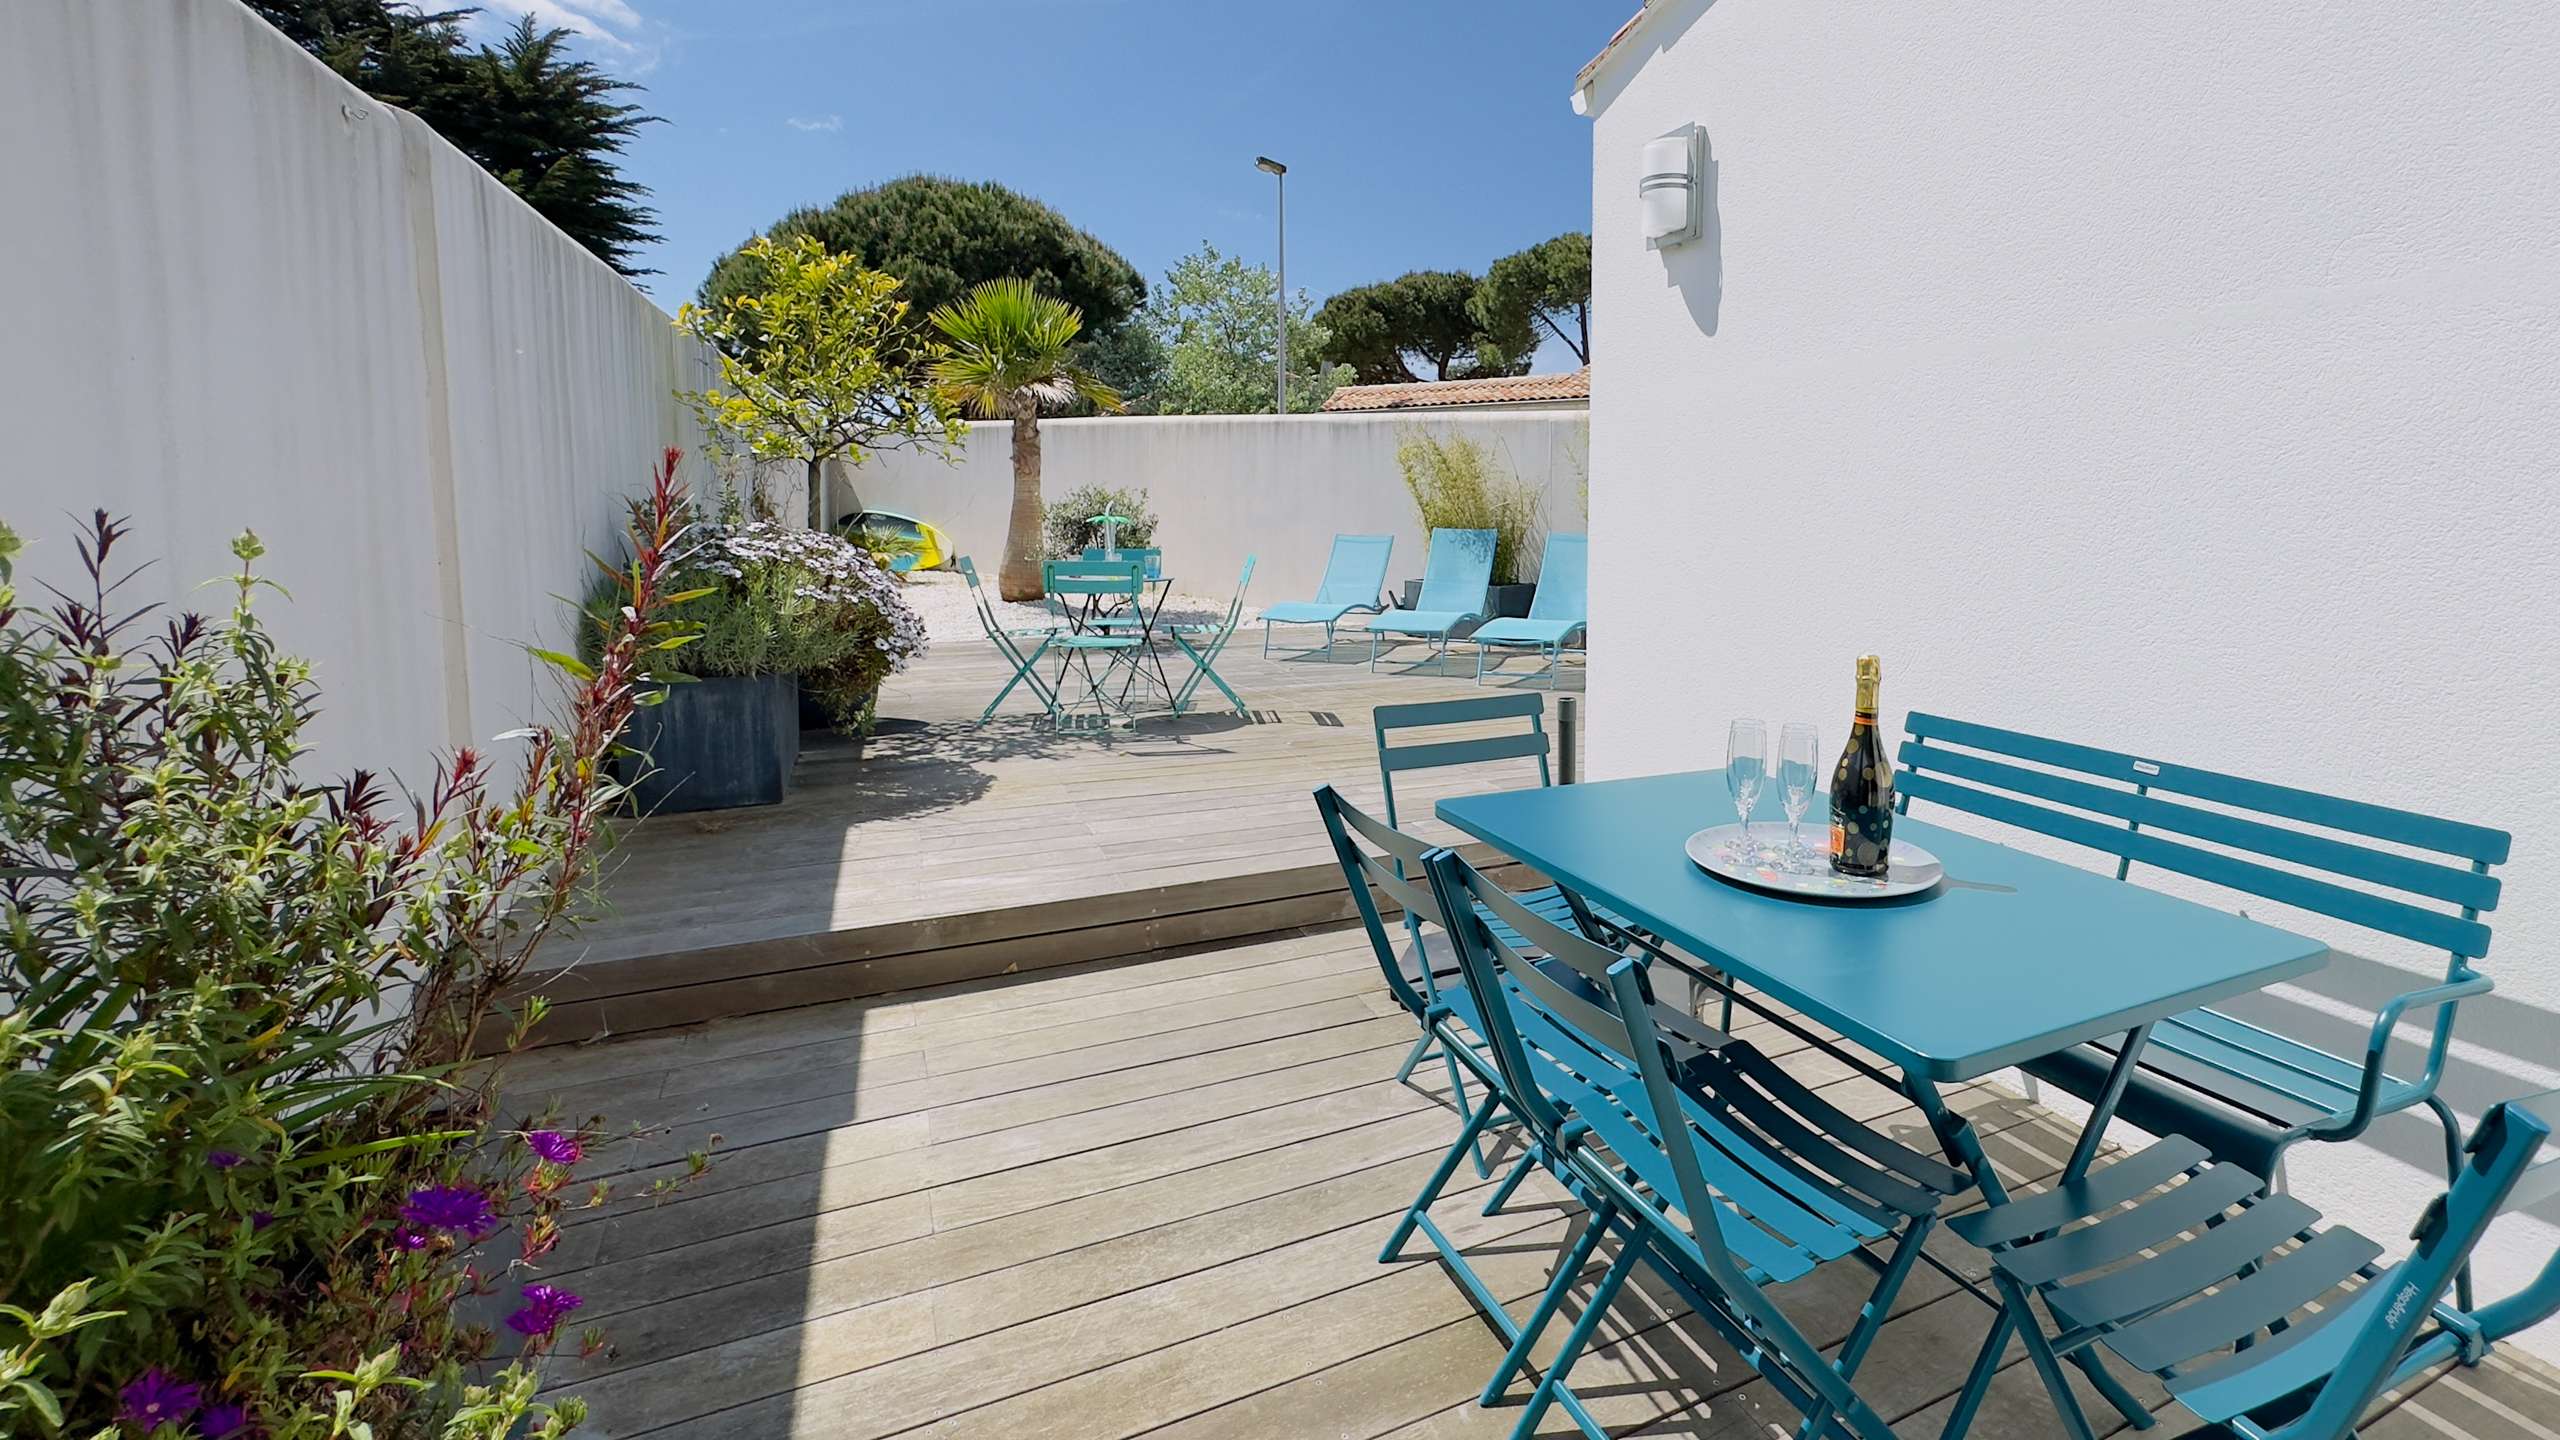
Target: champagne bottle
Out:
[1862,788]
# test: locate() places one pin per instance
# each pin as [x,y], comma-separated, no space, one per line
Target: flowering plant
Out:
[246,1022]
[779,600]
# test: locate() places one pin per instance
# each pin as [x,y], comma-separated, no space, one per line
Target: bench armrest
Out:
[2378,1044]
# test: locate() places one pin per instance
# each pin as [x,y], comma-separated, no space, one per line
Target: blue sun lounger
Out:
[1353,577]
[1456,583]
[1561,611]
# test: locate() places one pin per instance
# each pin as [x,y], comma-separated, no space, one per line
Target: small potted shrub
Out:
[782,614]
[1067,528]
[1456,486]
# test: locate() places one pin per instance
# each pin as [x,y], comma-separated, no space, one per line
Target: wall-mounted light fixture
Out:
[1668,186]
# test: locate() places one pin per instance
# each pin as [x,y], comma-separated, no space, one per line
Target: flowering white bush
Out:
[787,601]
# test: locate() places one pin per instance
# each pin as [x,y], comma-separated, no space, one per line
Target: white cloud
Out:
[815,122]
[612,30]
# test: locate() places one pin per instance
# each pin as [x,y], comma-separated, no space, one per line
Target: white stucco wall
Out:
[2178,378]
[245,295]
[1227,486]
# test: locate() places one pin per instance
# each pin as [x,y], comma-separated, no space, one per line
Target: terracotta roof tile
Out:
[1494,390]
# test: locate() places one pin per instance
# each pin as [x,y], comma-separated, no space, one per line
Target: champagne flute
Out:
[1799,749]
[1746,766]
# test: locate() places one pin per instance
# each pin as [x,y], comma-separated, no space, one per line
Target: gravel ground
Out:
[950,616]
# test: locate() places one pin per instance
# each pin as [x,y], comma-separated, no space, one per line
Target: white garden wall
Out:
[1227,486]
[2176,377]
[244,294]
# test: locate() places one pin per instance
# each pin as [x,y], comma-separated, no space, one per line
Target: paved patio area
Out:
[1144,1197]
[946,849]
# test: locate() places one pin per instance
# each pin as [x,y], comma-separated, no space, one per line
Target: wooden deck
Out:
[948,850]
[1145,1197]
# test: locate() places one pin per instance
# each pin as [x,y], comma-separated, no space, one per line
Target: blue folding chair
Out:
[1722,1178]
[1560,612]
[1082,641]
[1457,587]
[1551,901]
[1355,575]
[1008,644]
[1214,636]
[2188,1269]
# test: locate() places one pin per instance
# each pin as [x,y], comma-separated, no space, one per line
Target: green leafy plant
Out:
[1456,485]
[772,599]
[1216,325]
[1012,355]
[1069,529]
[819,362]
[248,1166]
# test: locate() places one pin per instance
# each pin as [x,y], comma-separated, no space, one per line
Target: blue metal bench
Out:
[2188,1269]
[2245,1092]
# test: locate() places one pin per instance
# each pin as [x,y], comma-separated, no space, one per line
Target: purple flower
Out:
[223,1159]
[261,1219]
[457,1208]
[545,1306]
[413,1240]
[155,1398]
[222,1421]
[555,1147]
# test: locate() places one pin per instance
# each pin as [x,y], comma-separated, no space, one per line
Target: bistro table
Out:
[2012,956]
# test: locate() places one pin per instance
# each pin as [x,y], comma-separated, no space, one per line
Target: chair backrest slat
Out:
[1564,580]
[1458,572]
[2117,804]
[2463,937]
[2452,884]
[1094,577]
[1399,872]
[2377,822]
[1528,744]
[1356,572]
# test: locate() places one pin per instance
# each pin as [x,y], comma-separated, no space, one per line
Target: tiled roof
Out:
[1582,81]
[1494,390]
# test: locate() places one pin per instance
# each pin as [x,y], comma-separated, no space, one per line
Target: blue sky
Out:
[1419,134]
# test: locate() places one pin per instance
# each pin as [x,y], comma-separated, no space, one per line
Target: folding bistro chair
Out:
[1423,976]
[1457,583]
[2207,1280]
[1355,575]
[1007,643]
[1724,1179]
[1078,645]
[1204,656]
[1561,610]
[1551,901]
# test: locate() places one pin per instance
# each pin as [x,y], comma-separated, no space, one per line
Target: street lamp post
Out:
[1279,174]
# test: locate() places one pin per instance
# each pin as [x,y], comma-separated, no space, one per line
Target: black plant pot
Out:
[718,743]
[1511,602]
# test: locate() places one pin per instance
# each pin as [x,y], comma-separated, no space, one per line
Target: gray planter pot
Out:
[1511,602]
[718,743]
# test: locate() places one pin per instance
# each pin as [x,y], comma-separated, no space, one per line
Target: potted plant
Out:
[1070,528]
[1456,485]
[781,614]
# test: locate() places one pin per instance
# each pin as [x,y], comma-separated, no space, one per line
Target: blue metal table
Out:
[2015,956]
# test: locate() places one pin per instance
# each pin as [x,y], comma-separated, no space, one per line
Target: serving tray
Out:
[1909,869]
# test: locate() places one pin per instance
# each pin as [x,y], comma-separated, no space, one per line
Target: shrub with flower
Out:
[246,1023]
[780,600]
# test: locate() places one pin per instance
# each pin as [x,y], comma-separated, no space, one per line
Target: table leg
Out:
[2128,1058]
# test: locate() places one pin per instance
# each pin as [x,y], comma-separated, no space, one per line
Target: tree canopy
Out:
[548,127]
[1549,285]
[1381,330]
[943,238]
[821,360]
[1213,318]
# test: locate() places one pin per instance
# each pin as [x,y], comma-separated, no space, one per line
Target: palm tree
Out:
[1009,360]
